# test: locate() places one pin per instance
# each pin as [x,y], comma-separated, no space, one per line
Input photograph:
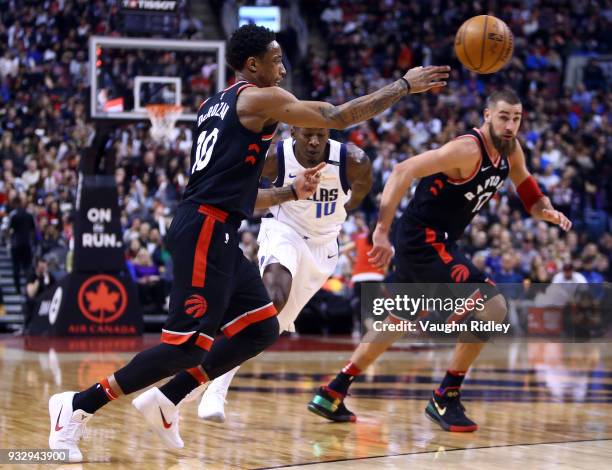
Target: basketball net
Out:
[163,119]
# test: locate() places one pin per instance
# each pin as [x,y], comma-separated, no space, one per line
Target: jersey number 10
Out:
[325,208]
[204,149]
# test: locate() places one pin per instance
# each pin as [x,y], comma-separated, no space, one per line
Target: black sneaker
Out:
[447,411]
[330,405]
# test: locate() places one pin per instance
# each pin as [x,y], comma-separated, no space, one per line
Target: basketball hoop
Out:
[163,119]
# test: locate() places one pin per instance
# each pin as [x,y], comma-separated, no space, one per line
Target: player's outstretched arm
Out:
[276,104]
[538,205]
[359,175]
[462,154]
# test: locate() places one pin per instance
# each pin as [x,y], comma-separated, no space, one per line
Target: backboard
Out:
[127,74]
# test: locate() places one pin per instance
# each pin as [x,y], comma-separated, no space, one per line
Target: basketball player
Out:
[215,287]
[457,180]
[298,247]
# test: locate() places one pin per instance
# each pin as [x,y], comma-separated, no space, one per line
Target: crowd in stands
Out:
[565,131]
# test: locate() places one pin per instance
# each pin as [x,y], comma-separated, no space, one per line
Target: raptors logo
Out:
[460,273]
[196,305]
[252,158]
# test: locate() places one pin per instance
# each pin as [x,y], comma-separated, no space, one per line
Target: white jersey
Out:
[321,216]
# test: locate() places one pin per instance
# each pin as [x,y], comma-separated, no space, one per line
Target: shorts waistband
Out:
[220,215]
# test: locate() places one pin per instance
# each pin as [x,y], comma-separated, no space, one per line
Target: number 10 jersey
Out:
[448,205]
[226,157]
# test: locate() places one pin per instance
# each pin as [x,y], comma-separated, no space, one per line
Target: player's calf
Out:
[277,280]
[495,310]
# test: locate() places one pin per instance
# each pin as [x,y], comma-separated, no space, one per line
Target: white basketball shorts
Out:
[310,264]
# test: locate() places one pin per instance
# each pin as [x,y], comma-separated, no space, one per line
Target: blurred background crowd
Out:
[565,132]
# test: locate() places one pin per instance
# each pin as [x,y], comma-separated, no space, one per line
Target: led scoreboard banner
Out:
[149,16]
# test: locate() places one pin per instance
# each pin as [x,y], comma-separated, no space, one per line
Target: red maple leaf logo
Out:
[102,299]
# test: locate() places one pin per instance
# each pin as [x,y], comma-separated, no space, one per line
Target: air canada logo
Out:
[460,273]
[102,298]
[196,305]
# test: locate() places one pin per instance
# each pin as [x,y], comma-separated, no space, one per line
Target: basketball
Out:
[484,44]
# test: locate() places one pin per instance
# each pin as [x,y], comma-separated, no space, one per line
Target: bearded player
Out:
[457,180]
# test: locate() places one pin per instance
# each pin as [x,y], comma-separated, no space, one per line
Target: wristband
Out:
[529,192]
[295,194]
[407,83]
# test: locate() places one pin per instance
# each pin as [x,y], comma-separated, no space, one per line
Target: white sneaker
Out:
[67,425]
[161,415]
[212,405]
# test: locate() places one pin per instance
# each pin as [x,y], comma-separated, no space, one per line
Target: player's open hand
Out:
[381,253]
[307,181]
[425,78]
[556,217]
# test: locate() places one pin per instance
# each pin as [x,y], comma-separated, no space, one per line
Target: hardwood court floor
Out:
[538,406]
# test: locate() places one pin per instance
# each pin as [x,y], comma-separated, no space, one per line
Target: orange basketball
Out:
[484,44]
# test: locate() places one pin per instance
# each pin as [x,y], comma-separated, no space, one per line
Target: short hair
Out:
[248,41]
[507,95]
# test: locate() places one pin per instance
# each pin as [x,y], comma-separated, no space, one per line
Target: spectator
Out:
[590,272]
[248,245]
[21,229]
[38,282]
[150,287]
[363,271]
[568,276]
[508,273]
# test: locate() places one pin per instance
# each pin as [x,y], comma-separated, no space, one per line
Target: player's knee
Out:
[495,309]
[278,279]
[189,355]
[264,333]
[170,359]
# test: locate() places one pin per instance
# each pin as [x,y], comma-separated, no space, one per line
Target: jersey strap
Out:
[280,165]
[346,187]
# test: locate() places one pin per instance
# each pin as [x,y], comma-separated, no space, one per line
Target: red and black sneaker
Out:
[446,410]
[330,405]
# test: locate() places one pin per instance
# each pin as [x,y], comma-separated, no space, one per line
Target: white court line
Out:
[588,455]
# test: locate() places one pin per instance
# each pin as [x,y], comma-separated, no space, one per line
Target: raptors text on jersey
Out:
[449,205]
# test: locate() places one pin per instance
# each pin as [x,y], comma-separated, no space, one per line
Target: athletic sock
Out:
[94,398]
[344,379]
[179,386]
[452,379]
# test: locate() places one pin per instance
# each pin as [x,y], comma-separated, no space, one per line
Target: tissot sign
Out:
[150,5]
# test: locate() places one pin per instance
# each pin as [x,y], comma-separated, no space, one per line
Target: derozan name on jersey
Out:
[155,5]
[219,110]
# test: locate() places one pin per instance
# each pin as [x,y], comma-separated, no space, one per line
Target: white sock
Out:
[221,384]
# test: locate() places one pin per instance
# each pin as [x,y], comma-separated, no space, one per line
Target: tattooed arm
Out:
[259,107]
